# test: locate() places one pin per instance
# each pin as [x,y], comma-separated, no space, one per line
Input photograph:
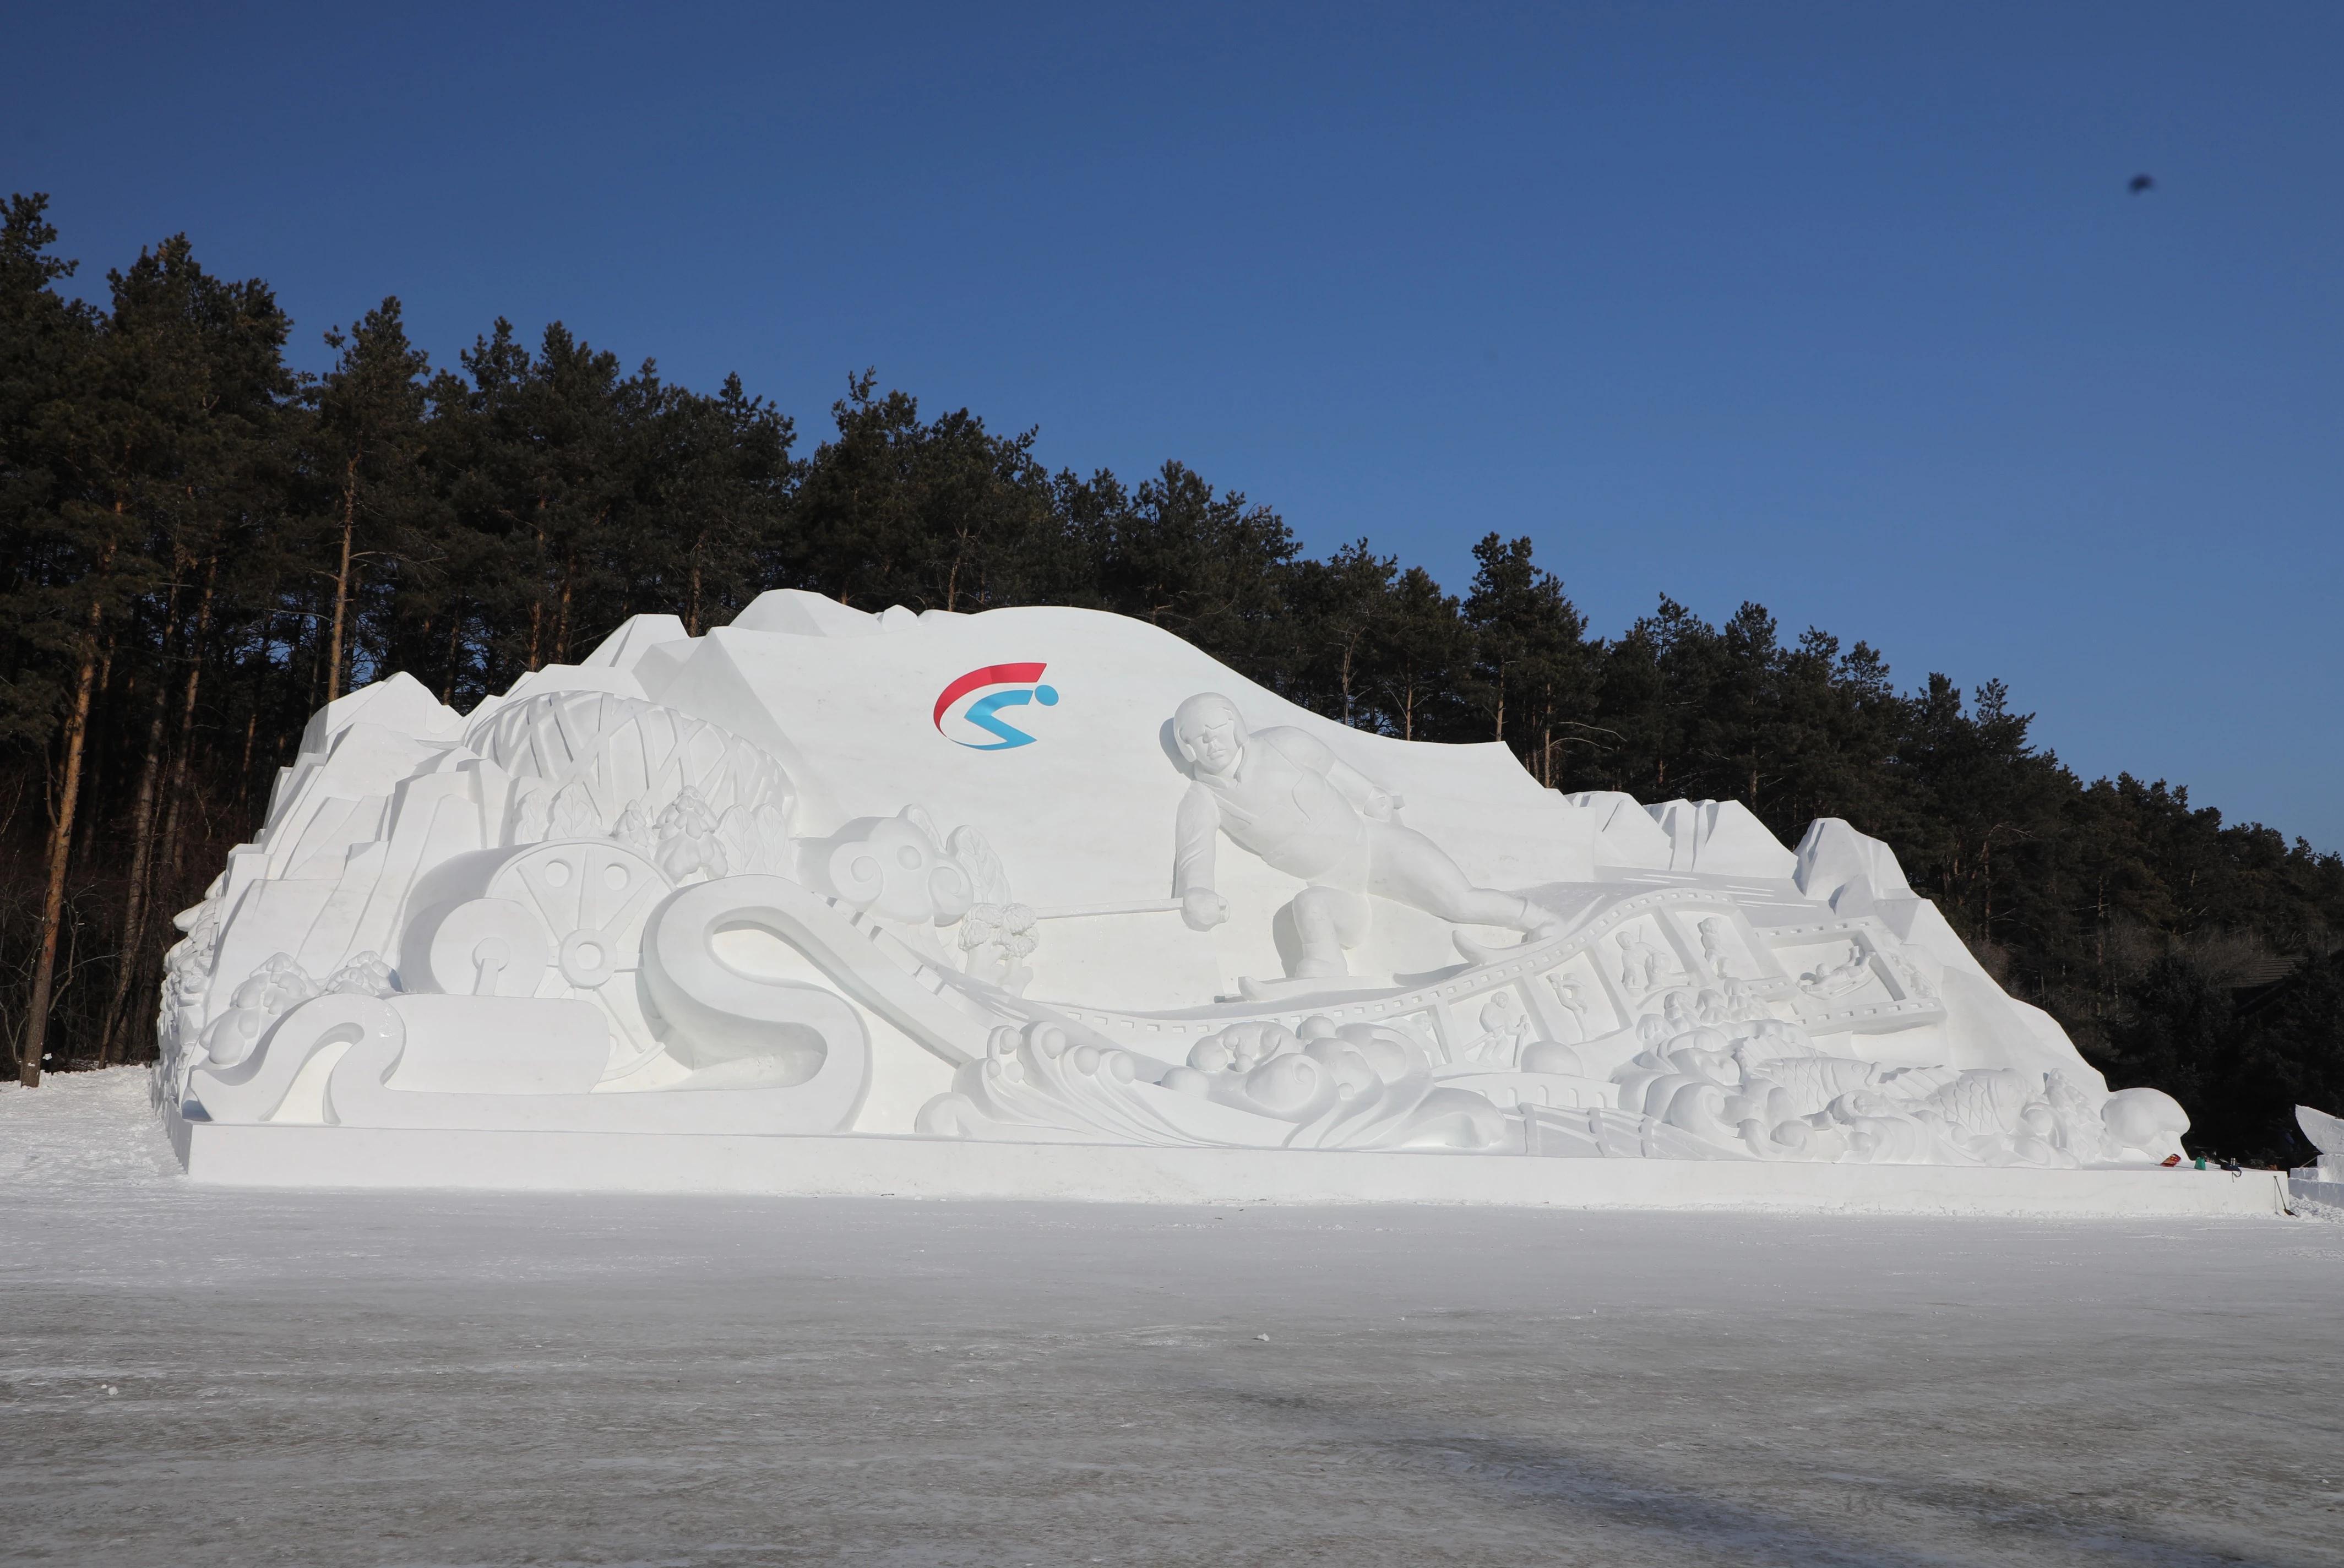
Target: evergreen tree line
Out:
[203,545]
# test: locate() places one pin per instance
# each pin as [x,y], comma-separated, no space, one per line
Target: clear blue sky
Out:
[1843,309]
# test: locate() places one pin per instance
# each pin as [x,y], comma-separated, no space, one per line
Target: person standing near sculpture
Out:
[1282,795]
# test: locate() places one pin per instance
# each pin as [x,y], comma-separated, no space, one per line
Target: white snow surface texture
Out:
[196,1376]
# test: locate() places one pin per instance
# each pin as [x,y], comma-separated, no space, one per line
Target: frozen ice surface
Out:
[196,1376]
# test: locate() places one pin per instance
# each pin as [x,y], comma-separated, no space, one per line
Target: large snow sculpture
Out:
[707,884]
[2327,1135]
[2323,1181]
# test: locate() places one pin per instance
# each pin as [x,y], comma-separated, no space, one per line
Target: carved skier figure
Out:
[1283,795]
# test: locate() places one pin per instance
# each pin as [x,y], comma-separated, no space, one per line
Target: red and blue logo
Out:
[976,699]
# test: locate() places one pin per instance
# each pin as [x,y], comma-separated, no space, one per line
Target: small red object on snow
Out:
[2171,1160]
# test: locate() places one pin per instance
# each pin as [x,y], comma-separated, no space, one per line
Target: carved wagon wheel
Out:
[592,896]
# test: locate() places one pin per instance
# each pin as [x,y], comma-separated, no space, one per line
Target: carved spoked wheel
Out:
[592,896]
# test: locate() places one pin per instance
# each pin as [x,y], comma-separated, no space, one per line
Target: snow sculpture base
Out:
[853,1167]
[1046,903]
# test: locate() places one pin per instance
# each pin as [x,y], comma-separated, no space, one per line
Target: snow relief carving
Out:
[706,885]
[1283,795]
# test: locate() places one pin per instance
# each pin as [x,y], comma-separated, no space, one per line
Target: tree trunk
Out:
[536,590]
[174,790]
[244,766]
[142,862]
[313,632]
[342,575]
[2100,934]
[562,621]
[455,625]
[53,899]
[1985,876]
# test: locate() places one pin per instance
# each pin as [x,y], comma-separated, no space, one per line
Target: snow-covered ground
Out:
[194,1376]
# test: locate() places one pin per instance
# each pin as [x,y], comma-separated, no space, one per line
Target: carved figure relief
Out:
[1506,1028]
[1259,1085]
[1850,974]
[1282,795]
[998,938]
[1910,981]
[1642,966]
[686,836]
[1573,999]
[1714,948]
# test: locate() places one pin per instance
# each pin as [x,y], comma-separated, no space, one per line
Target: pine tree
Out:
[51,615]
[1341,610]
[941,514]
[199,378]
[1420,659]
[368,433]
[1531,667]
[724,478]
[1211,566]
